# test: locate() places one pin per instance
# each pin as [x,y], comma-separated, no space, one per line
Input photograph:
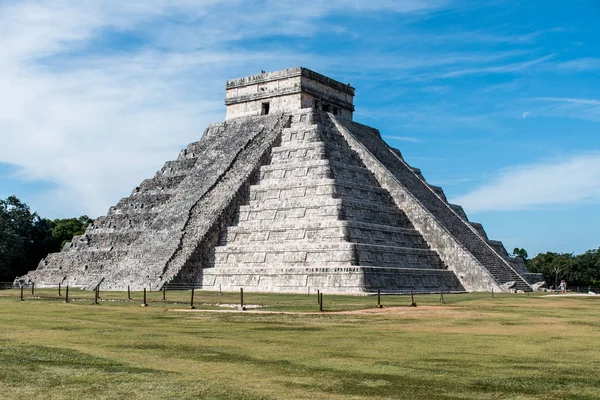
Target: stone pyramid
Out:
[287,195]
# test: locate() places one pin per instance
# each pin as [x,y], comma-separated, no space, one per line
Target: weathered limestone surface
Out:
[287,197]
[463,246]
[149,236]
[317,217]
[287,90]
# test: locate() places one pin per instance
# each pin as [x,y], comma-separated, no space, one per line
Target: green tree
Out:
[521,253]
[25,238]
[64,229]
[553,266]
[587,268]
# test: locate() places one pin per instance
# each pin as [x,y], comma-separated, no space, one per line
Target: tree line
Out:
[576,269]
[26,238]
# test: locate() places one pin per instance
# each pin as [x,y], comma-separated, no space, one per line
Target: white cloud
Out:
[525,114]
[403,138]
[93,120]
[567,181]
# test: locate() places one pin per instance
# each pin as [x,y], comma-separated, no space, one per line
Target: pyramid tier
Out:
[349,279]
[319,230]
[281,191]
[352,210]
[268,254]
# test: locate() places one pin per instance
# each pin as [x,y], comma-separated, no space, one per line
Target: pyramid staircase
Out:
[317,207]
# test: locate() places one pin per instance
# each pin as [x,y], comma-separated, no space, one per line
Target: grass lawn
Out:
[473,346]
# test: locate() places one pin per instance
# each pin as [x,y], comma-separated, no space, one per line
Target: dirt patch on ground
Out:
[432,310]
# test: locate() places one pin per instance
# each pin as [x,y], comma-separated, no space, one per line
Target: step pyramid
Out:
[288,194]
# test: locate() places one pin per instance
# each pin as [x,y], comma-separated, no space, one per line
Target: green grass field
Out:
[474,346]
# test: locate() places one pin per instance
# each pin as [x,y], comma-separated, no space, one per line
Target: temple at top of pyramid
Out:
[288,194]
[285,91]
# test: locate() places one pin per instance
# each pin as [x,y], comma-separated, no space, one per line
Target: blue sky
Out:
[498,102]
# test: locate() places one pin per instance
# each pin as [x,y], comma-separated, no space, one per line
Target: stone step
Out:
[323,207]
[313,169]
[306,253]
[103,241]
[318,229]
[397,257]
[385,235]
[287,188]
[178,167]
[353,173]
[125,221]
[277,255]
[310,207]
[301,133]
[139,202]
[285,231]
[160,182]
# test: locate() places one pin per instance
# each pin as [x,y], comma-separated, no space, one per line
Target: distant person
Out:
[563,287]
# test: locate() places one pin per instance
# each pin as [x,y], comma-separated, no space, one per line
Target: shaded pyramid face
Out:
[299,198]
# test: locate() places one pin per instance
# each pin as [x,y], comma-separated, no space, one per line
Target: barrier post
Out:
[191,306]
[242,299]
[321,302]
[144,304]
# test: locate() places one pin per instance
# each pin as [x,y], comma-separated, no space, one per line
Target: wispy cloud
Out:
[568,107]
[580,64]
[570,100]
[403,138]
[564,181]
[492,69]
